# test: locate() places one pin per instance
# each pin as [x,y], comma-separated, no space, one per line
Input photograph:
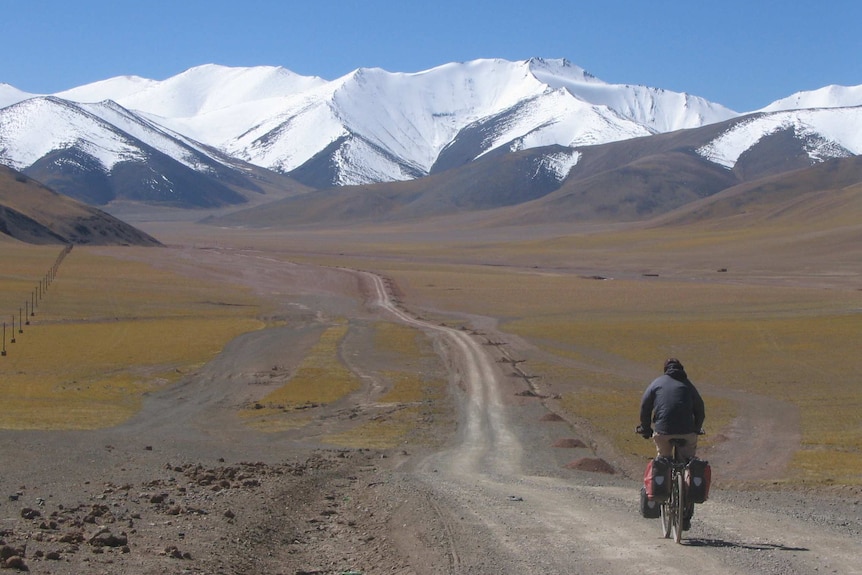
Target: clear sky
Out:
[742,54]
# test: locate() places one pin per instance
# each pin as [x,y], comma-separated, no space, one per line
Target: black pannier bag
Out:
[698,476]
[649,509]
[657,479]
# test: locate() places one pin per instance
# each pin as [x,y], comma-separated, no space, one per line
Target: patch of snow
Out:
[827,97]
[561,163]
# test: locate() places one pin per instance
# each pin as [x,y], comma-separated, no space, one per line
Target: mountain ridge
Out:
[396,123]
[221,136]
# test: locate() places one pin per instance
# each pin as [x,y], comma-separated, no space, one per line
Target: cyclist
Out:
[672,407]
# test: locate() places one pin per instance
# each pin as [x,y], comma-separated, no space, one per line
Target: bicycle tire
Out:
[666,517]
[679,507]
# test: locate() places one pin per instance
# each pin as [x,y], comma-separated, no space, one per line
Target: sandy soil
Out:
[185,487]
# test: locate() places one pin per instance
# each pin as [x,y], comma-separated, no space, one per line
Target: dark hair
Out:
[672,361]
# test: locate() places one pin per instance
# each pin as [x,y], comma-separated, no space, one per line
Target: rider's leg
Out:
[662,445]
[690,448]
[687,515]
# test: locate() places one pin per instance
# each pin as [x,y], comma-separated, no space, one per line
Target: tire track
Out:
[487,442]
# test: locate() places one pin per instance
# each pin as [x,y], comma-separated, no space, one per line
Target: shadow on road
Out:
[737,545]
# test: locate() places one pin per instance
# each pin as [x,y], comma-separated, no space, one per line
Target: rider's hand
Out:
[645,432]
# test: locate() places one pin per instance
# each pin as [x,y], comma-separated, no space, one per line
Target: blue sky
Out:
[742,54]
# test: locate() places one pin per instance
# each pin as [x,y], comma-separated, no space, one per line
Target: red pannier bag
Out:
[657,479]
[649,509]
[698,476]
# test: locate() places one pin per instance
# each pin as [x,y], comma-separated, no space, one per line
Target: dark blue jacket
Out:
[671,405]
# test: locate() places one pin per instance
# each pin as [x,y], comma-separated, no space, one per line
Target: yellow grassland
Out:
[107,331]
[21,268]
[414,396]
[321,378]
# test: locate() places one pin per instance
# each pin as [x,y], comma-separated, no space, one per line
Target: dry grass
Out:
[21,268]
[106,332]
[414,398]
[320,379]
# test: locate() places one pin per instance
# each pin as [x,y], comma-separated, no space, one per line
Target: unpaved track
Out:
[497,519]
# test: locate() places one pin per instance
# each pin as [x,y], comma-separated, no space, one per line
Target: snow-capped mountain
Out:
[373,125]
[377,126]
[101,152]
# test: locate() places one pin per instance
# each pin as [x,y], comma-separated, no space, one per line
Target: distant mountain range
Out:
[478,135]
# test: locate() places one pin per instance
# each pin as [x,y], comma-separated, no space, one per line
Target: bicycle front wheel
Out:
[666,517]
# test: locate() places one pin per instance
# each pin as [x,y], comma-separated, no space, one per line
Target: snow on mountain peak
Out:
[557,72]
[110,89]
[833,96]
[11,95]
[374,125]
[38,126]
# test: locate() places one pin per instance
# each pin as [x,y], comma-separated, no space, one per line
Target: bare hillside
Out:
[32,213]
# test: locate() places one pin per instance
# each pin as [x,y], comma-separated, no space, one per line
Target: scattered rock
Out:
[104,538]
[16,562]
[173,552]
[157,499]
[8,551]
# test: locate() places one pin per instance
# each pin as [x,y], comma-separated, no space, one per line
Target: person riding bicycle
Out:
[672,407]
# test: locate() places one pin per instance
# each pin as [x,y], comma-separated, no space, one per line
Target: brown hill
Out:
[33,213]
[501,180]
[828,193]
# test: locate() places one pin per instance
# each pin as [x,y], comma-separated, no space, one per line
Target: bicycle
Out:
[672,510]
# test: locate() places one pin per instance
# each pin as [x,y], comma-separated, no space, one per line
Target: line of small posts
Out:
[28,310]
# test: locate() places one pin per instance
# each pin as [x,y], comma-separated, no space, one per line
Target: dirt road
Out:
[499,518]
[184,487]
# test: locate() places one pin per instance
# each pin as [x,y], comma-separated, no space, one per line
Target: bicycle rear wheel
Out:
[678,509]
[666,517]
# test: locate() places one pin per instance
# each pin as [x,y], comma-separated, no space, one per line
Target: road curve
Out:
[499,519]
